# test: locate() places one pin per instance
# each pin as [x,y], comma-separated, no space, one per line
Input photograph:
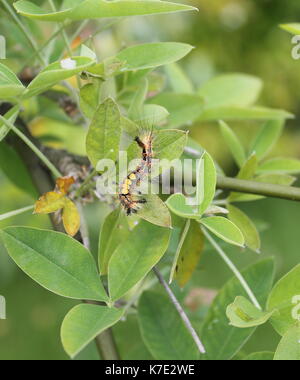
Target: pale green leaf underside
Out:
[224,229]
[221,340]
[92,9]
[10,86]
[84,323]
[243,314]
[293,28]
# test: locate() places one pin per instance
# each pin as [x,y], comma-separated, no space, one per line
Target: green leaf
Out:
[231,90]
[84,323]
[11,116]
[289,347]
[10,85]
[178,204]
[276,179]
[247,172]
[206,182]
[267,138]
[55,261]
[224,229]
[249,168]
[155,211]
[180,83]
[153,114]
[15,170]
[267,356]
[148,56]
[89,99]
[243,314]
[188,253]
[168,145]
[285,297]
[183,108]
[293,28]
[243,113]
[236,148]
[57,72]
[247,227]
[162,329]
[114,231]
[133,259]
[129,340]
[136,106]
[280,165]
[92,9]
[221,340]
[103,138]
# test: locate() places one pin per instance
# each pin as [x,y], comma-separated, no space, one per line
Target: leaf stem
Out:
[234,269]
[25,31]
[181,312]
[27,141]
[16,212]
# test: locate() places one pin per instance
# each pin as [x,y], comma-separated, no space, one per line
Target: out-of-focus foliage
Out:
[229,36]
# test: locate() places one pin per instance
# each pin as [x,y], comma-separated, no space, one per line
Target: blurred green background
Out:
[229,36]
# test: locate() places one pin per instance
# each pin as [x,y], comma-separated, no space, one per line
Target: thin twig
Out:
[27,34]
[16,212]
[180,310]
[259,188]
[234,269]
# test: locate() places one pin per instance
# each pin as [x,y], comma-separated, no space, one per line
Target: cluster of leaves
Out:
[118,90]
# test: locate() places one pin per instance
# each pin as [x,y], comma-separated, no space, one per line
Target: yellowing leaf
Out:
[49,202]
[71,217]
[188,253]
[64,183]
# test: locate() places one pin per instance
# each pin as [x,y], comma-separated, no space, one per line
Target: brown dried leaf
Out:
[64,183]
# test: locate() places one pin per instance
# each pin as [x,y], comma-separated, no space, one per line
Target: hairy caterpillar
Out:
[129,187]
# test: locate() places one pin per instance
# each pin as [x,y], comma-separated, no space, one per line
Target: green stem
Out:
[259,188]
[63,32]
[27,141]
[234,269]
[16,212]
[24,30]
[252,187]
